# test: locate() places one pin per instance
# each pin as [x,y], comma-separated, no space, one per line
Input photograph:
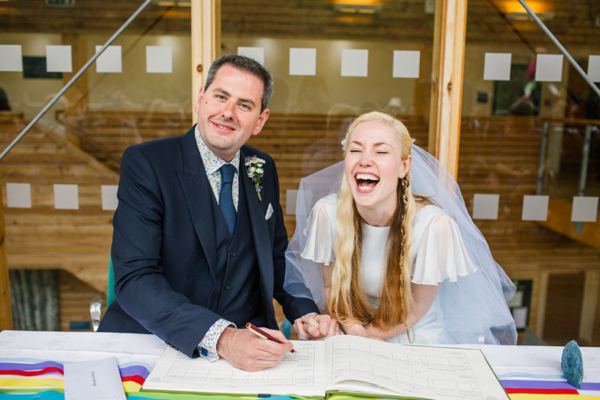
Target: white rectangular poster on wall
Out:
[497,67]
[594,68]
[66,197]
[159,59]
[485,206]
[255,53]
[406,64]
[110,61]
[11,58]
[355,63]
[535,208]
[585,209]
[548,67]
[303,61]
[109,197]
[59,59]
[18,195]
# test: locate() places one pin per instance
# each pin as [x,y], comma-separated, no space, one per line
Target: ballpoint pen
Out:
[260,333]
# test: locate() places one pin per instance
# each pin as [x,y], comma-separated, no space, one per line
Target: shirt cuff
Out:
[208,345]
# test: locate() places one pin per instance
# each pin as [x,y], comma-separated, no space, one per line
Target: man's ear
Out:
[262,119]
[199,100]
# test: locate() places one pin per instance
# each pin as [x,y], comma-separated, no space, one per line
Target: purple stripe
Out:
[134,370]
[527,384]
[29,367]
[127,371]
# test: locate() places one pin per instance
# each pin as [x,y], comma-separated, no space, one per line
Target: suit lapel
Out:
[199,197]
[260,232]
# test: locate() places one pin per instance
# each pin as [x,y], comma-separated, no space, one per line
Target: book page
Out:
[411,371]
[298,373]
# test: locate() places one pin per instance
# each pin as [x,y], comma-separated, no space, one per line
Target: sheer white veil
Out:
[474,307]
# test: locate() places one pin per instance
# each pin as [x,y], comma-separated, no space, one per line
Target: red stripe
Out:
[541,391]
[133,378]
[30,373]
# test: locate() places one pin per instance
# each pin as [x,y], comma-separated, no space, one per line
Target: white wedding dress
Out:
[438,257]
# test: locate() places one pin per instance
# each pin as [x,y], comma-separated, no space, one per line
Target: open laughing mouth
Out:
[366,182]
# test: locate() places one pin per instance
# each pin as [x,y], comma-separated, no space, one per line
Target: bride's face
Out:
[373,164]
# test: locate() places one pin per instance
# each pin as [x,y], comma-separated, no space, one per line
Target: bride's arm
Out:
[423,296]
[319,326]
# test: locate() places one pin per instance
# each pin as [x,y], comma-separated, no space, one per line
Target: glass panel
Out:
[332,60]
[312,107]
[59,182]
[525,114]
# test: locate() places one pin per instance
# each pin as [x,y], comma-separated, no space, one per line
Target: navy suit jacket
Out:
[164,251]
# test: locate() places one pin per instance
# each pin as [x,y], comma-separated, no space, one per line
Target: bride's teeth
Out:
[366,177]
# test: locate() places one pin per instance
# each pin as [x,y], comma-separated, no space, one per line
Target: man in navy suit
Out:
[199,241]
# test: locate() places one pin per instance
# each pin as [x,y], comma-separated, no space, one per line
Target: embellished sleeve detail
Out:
[208,345]
[441,253]
[320,241]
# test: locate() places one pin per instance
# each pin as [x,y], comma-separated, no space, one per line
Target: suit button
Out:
[232,254]
[226,287]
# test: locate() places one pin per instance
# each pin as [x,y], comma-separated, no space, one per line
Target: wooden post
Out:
[206,41]
[588,308]
[541,308]
[448,66]
[6,321]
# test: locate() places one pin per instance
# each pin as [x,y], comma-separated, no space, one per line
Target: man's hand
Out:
[316,326]
[244,350]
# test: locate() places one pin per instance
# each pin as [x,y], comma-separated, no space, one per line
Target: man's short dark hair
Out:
[246,64]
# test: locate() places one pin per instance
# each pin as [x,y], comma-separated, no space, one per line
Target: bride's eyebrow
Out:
[357,143]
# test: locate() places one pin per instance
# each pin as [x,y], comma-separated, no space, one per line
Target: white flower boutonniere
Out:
[255,172]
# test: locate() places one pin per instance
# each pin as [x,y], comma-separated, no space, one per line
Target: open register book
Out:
[341,364]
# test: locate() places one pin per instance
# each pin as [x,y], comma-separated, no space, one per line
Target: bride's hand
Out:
[316,326]
[359,330]
[374,332]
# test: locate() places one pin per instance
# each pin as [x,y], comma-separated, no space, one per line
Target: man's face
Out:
[229,111]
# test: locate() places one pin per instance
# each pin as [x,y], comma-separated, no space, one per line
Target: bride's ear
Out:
[405,166]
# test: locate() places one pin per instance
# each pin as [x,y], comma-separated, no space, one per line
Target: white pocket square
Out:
[269,212]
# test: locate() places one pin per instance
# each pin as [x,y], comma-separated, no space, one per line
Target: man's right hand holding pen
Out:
[245,350]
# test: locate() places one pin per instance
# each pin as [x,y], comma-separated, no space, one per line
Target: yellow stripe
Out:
[30,383]
[131,387]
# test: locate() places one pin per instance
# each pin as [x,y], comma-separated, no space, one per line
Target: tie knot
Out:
[227,171]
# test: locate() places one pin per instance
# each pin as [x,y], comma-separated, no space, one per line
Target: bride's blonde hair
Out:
[347,301]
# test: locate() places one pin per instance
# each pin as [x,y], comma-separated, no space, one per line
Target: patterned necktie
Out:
[226,197]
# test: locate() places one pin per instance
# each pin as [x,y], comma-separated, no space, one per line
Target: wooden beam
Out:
[588,307]
[5,308]
[448,64]
[206,41]
[541,308]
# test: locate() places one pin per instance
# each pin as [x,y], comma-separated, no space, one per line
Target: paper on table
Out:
[101,342]
[345,364]
[93,380]
[300,372]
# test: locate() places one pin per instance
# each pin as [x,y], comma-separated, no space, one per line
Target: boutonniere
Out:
[255,172]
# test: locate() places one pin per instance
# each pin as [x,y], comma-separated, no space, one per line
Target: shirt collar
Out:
[211,162]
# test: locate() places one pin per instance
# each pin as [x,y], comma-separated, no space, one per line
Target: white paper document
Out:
[93,380]
[345,364]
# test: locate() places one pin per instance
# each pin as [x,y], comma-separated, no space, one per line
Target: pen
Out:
[260,333]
